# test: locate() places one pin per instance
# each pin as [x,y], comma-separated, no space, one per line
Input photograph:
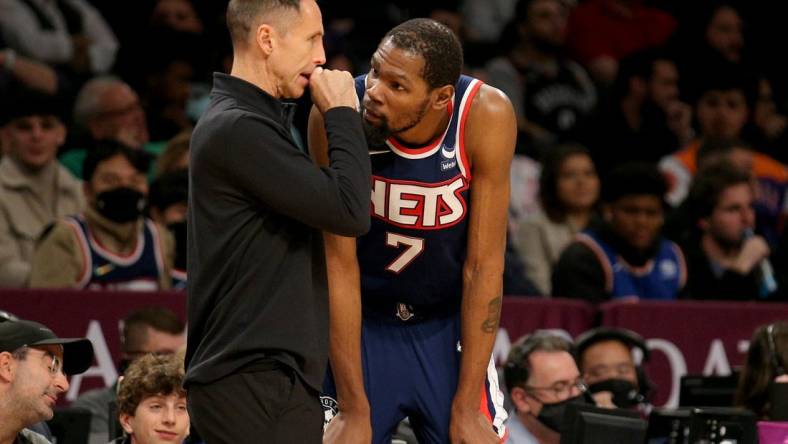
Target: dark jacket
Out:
[257,205]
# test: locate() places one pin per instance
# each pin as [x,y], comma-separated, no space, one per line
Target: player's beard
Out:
[377,135]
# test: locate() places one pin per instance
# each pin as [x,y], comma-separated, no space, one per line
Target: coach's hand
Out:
[348,428]
[469,426]
[331,88]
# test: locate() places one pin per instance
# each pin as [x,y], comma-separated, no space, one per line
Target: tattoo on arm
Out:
[490,325]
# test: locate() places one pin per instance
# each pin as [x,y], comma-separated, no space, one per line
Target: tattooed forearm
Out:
[490,325]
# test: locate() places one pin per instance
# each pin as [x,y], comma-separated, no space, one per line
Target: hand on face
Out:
[331,88]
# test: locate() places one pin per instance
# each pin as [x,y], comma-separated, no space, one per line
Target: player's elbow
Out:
[356,225]
[354,222]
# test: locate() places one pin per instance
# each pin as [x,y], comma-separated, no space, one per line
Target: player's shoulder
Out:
[490,102]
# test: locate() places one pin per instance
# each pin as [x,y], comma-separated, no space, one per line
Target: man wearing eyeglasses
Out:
[542,378]
[34,364]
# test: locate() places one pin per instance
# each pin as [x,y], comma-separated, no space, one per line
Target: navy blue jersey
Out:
[103,269]
[662,277]
[416,246]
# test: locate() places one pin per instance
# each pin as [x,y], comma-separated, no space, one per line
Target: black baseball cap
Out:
[77,352]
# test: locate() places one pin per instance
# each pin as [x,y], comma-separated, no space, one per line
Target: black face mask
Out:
[625,394]
[121,204]
[178,230]
[552,415]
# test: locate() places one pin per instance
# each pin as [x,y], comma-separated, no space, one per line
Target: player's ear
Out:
[442,96]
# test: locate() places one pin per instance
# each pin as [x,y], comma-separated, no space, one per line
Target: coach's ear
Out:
[441,97]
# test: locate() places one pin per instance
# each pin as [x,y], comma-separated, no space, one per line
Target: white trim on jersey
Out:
[158,247]
[87,266]
[495,395]
[114,257]
[470,91]
[422,155]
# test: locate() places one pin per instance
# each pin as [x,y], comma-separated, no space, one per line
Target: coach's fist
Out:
[331,88]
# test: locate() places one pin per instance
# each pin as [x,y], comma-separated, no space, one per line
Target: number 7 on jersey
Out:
[413,247]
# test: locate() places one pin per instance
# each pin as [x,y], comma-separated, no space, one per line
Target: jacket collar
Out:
[14,176]
[252,96]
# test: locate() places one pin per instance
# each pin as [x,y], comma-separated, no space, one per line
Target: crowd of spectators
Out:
[596,84]
[650,160]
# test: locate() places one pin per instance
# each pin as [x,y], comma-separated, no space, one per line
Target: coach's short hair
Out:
[436,44]
[242,15]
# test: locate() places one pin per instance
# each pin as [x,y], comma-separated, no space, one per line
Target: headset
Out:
[631,340]
[779,368]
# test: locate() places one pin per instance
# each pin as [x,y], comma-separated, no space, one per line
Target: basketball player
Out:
[428,275]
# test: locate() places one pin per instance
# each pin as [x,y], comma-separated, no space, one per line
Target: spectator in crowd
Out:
[552,95]
[69,32]
[165,81]
[542,378]
[34,189]
[714,39]
[722,106]
[150,330]
[485,20]
[725,258]
[33,368]
[106,108]
[768,177]
[602,32]
[568,193]
[768,131]
[17,70]
[178,15]
[167,204]
[765,366]
[624,255]
[152,401]
[724,32]
[644,119]
[175,155]
[110,245]
[606,360]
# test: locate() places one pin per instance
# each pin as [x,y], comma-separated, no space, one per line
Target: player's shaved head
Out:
[243,16]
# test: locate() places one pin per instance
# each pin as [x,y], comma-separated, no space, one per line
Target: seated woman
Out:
[766,367]
[568,194]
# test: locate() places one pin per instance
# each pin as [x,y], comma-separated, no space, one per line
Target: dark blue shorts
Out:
[411,370]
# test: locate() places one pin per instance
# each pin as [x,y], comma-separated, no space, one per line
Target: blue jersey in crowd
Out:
[661,277]
[103,269]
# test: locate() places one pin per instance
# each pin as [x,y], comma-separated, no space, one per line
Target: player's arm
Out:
[490,139]
[344,293]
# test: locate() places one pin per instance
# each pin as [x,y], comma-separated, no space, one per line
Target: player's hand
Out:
[331,88]
[348,428]
[469,426]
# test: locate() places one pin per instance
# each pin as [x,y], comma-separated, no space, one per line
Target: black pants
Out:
[272,406]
